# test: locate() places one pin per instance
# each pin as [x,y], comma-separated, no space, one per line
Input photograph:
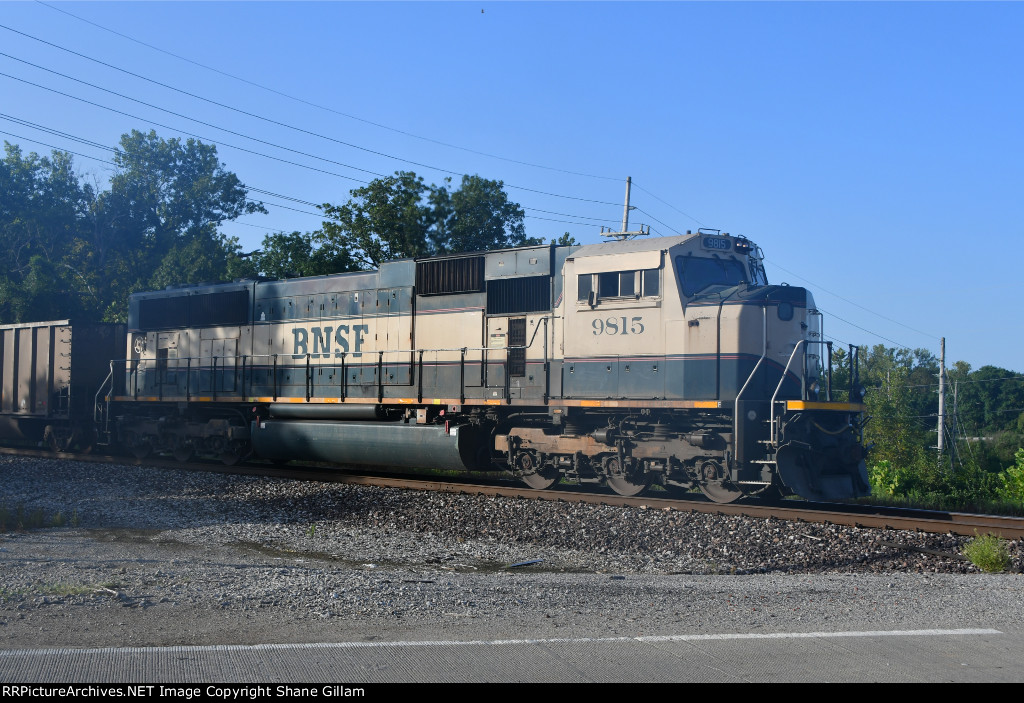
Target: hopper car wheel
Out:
[625,483]
[58,438]
[534,475]
[714,487]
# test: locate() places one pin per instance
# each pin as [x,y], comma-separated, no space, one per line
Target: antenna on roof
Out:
[625,233]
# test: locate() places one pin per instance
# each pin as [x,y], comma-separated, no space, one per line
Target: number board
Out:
[716,243]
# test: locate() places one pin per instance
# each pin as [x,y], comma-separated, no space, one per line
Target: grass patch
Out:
[938,501]
[988,553]
[20,520]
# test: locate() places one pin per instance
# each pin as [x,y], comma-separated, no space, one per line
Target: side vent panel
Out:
[508,296]
[202,310]
[163,313]
[216,309]
[457,275]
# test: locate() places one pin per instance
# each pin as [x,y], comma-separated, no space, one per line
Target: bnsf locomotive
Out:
[667,361]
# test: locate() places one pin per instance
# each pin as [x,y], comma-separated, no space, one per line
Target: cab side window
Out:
[635,284]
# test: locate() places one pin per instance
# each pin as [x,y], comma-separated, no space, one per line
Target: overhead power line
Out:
[268,119]
[300,201]
[670,205]
[864,329]
[324,107]
[219,142]
[171,112]
[343,114]
[847,300]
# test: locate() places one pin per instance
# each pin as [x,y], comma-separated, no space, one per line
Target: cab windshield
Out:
[698,273]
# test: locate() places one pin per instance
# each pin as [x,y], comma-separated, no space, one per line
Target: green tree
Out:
[990,399]
[387,219]
[898,433]
[295,254]
[158,223]
[476,217]
[43,214]
[72,250]
[1011,480]
[401,216]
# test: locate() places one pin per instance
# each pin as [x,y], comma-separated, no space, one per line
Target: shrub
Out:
[1012,480]
[988,553]
[887,480]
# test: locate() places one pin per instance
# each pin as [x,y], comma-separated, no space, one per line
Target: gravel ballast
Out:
[152,556]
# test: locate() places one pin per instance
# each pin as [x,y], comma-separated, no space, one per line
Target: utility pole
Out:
[942,395]
[625,233]
[952,434]
[625,210]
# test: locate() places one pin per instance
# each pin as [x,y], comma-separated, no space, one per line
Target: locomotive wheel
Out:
[232,455]
[625,484]
[183,451]
[719,492]
[540,481]
[139,447]
[536,476]
[714,487]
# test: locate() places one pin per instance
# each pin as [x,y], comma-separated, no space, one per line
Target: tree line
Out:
[982,461]
[75,250]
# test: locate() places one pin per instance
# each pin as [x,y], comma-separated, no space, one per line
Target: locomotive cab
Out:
[729,366]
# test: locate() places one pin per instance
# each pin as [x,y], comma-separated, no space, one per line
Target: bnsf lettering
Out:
[322,341]
[618,325]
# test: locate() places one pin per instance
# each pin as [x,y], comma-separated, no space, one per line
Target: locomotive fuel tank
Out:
[379,444]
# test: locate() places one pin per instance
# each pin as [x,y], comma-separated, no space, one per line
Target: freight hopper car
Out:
[665,361]
[49,373]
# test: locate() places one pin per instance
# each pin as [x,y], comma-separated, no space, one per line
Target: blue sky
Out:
[875,151]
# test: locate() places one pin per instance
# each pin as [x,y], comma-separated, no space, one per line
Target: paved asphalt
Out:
[940,655]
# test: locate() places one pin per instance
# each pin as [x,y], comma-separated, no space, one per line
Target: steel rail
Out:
[851,515]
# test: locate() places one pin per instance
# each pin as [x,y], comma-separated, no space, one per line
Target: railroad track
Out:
[854,515]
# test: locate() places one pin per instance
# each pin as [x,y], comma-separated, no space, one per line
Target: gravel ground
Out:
[158,557]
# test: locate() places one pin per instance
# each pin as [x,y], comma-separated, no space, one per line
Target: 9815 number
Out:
[618,325]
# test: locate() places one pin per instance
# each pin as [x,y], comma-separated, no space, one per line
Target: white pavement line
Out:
[453,643]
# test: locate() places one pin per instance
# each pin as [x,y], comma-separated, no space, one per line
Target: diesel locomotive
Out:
[668,361]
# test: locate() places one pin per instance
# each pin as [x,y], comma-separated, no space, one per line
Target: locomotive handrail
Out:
[764,351]
[764,355]
[803,381]
[136,367]
[96,399]
[782,380]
